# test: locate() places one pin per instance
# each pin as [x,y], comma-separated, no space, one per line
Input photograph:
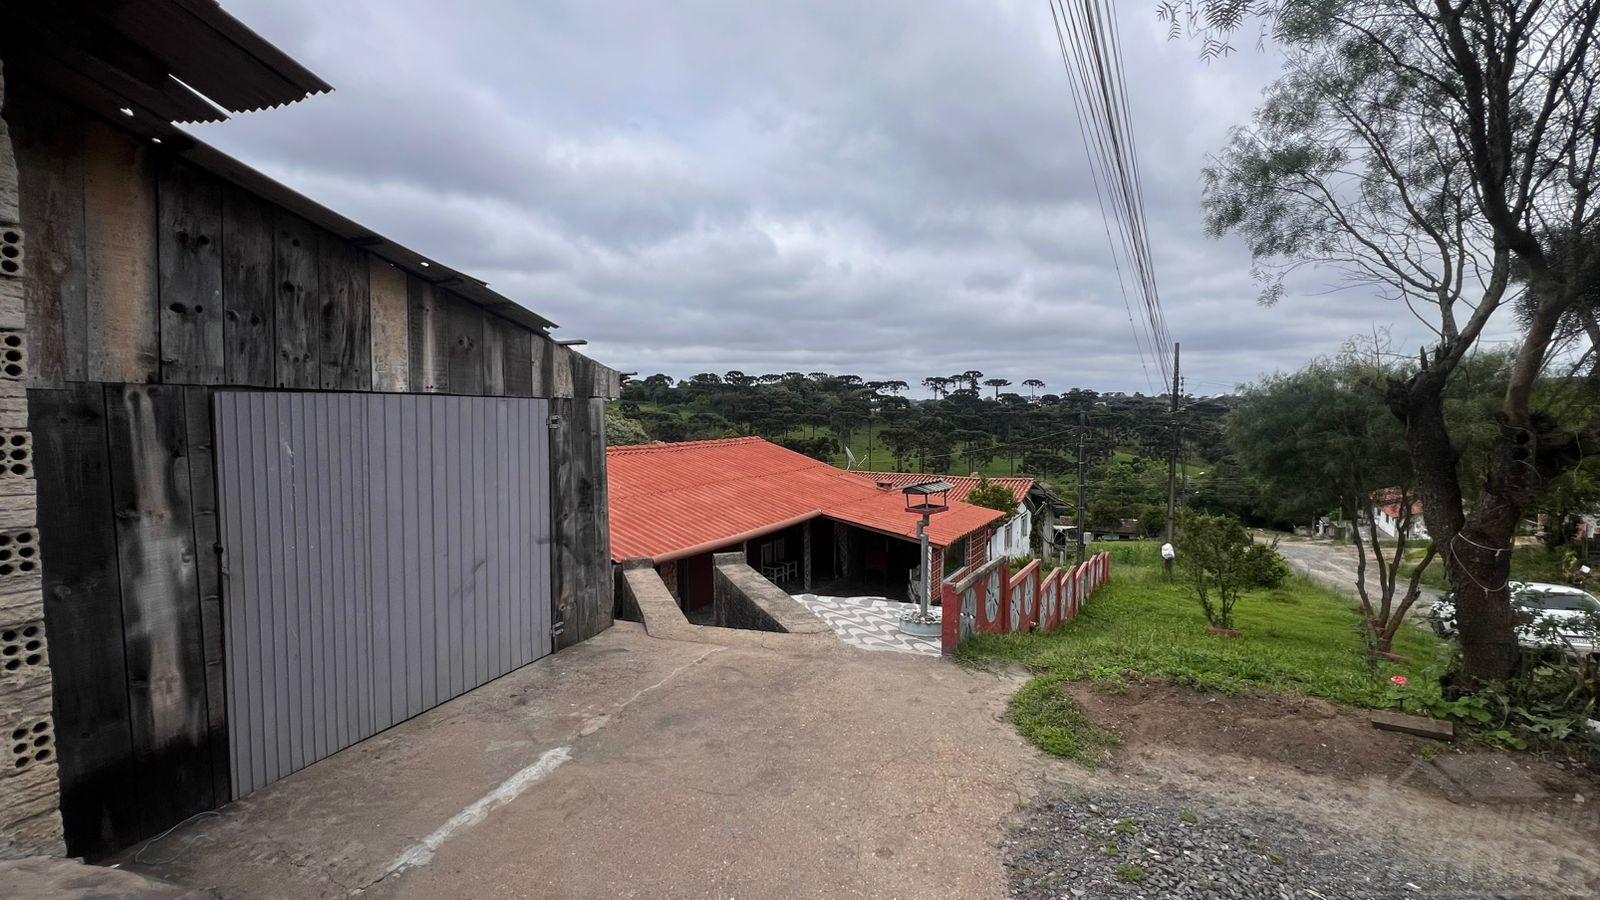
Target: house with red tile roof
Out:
[1036,506]
[1389,513]
[801,522]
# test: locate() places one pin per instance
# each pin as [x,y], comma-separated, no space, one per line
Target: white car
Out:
[1549,616]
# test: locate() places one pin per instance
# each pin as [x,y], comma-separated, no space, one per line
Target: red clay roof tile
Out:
[673,500]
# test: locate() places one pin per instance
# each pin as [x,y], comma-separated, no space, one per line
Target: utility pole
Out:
[1172,461]
[1083,424]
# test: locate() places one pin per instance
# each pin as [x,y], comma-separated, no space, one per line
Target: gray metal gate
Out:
[382,553]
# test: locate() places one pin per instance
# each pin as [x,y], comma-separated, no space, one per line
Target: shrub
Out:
[1216,555]
[1265,566]
[991,495]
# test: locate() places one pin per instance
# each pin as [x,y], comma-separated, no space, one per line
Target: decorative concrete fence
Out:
[991,600]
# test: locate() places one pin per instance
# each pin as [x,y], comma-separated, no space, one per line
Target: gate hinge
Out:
[553,422]
[556,629]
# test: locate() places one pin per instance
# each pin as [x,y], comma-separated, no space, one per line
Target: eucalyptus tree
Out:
[1443,154]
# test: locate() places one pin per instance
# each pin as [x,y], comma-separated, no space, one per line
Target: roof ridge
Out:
[867,472]
[667,446]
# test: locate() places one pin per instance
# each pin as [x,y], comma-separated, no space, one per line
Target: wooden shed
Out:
[272,482]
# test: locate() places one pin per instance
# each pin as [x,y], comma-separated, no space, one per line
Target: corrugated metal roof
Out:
[961,485]
[672,500]
[180,60]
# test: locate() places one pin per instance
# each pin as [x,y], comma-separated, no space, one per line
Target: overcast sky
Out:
[891,189]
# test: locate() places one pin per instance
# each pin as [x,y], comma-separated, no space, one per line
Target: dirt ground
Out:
[1508,816]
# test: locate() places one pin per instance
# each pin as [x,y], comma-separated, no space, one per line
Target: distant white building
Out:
[1388,513]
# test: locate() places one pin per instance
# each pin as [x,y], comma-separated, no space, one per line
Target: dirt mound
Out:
[1305,734]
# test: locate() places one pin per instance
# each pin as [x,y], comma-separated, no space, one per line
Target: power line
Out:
[1091,52]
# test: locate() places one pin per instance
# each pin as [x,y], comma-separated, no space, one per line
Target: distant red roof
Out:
[963,484]
[669,501]
[1388,500]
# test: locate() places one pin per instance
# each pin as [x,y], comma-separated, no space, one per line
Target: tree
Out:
[1033,385]
[1214,553]
[993,495]
[622,431]
[997,384]
[1444,153]
[1323,438]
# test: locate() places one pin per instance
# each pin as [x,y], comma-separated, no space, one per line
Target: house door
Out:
[381,555]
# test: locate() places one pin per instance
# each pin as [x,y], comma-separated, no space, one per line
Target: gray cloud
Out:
[893,189]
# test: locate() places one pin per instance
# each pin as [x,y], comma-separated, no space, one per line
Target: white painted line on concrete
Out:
[421,853]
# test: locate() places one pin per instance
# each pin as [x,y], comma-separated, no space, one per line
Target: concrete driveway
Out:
[632,766]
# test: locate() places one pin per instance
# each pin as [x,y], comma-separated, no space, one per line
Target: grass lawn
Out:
[1300,638]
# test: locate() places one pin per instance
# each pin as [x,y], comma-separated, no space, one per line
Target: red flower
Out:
[1399,679]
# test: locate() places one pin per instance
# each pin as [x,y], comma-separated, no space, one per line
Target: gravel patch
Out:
[1100,845]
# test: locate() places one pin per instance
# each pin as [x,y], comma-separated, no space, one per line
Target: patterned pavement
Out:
[871,623]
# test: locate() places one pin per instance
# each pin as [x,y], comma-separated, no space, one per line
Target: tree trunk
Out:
[1476,551]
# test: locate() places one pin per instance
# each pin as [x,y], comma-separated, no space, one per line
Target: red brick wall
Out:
[978,546]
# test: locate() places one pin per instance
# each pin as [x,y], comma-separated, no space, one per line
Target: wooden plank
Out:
[344,333]
[294,253]
[583,376]
[580,536]
[430,355]
[518,360]
[189,232]
[494,355]
[1388,720]
[163,633]
[83,617]
[558,371]
[464,325]
[48,139]
[119,203]
[208,576]
[391,330]
[247,289]
[539,353]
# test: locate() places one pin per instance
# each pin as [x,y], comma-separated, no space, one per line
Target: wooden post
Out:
[805,543]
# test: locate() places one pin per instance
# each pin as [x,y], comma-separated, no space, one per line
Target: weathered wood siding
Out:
[120,250]
[128,527]
[143,283]
[146,269]
[583,582]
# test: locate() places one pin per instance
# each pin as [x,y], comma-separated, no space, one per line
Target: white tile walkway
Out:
[871,623]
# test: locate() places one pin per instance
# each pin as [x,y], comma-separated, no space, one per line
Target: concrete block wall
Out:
[744,599]
[30,791]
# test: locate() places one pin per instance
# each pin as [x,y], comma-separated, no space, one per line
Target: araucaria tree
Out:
[1443,153]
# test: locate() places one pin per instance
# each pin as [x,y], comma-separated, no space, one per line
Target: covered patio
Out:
[806,526]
